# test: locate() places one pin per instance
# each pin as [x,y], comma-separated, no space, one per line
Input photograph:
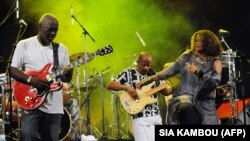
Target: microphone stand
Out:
[8,74]
[86,33]
[10,12]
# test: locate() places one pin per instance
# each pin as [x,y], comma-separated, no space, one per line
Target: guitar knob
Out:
[26,103]
[36,101]
[32,106]
[27,98]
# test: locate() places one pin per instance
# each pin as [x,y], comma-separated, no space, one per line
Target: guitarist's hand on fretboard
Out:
[67,75]
[39,83]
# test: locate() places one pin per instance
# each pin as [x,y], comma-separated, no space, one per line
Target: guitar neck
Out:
[103,51]
[72,65]
[81,60]
[156,89]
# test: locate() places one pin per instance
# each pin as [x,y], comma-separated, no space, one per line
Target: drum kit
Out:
[71,122]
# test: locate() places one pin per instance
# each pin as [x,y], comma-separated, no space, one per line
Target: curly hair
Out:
[210,42]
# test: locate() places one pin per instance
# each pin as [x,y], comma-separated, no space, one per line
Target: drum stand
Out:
[230,57]
[115,125]
[86,101]
[2,126]
[79,98]
[77,133]
[104,132]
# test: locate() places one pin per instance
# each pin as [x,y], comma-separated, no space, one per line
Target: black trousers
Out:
[188,114]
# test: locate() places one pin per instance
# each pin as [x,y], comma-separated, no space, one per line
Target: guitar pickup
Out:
[126,104]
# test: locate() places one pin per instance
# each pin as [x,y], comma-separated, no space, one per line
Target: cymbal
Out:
[77,56]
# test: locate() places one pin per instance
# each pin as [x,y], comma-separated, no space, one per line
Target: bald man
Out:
[33,54]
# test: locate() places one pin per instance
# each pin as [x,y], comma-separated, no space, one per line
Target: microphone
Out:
[22,23]
[223,32]
[72,15]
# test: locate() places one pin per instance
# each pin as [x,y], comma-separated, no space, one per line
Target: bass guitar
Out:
[134,106]
[30,98]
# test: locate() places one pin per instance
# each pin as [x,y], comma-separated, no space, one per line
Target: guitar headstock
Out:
[81,60]
[105,50]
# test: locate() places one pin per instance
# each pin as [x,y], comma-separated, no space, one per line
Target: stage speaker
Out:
[224,112]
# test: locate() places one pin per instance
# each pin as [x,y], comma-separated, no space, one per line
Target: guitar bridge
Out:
[137,100]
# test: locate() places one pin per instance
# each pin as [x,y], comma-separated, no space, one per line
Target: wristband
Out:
[199,73]
[29,79]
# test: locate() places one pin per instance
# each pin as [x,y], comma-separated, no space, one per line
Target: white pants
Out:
[144,128]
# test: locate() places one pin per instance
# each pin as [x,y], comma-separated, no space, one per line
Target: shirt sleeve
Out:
[123,77]
[63,52]
[18,56]
[174,69]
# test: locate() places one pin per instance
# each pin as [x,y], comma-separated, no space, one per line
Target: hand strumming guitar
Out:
[39,82]
[132,92]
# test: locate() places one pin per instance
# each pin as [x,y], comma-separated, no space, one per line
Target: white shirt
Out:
[31,55]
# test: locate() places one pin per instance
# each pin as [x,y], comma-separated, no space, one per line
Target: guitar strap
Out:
[57,85]
[55,55]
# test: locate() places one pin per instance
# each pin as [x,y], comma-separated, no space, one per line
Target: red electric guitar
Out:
[29,97]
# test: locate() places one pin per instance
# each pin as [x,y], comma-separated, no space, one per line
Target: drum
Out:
[3,78]
[3,81]
[6,104]
[221,91]
[66,98]
[67,94]
[15,110]
[65,125]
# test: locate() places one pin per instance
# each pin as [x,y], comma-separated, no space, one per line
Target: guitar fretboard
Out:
[78,62]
